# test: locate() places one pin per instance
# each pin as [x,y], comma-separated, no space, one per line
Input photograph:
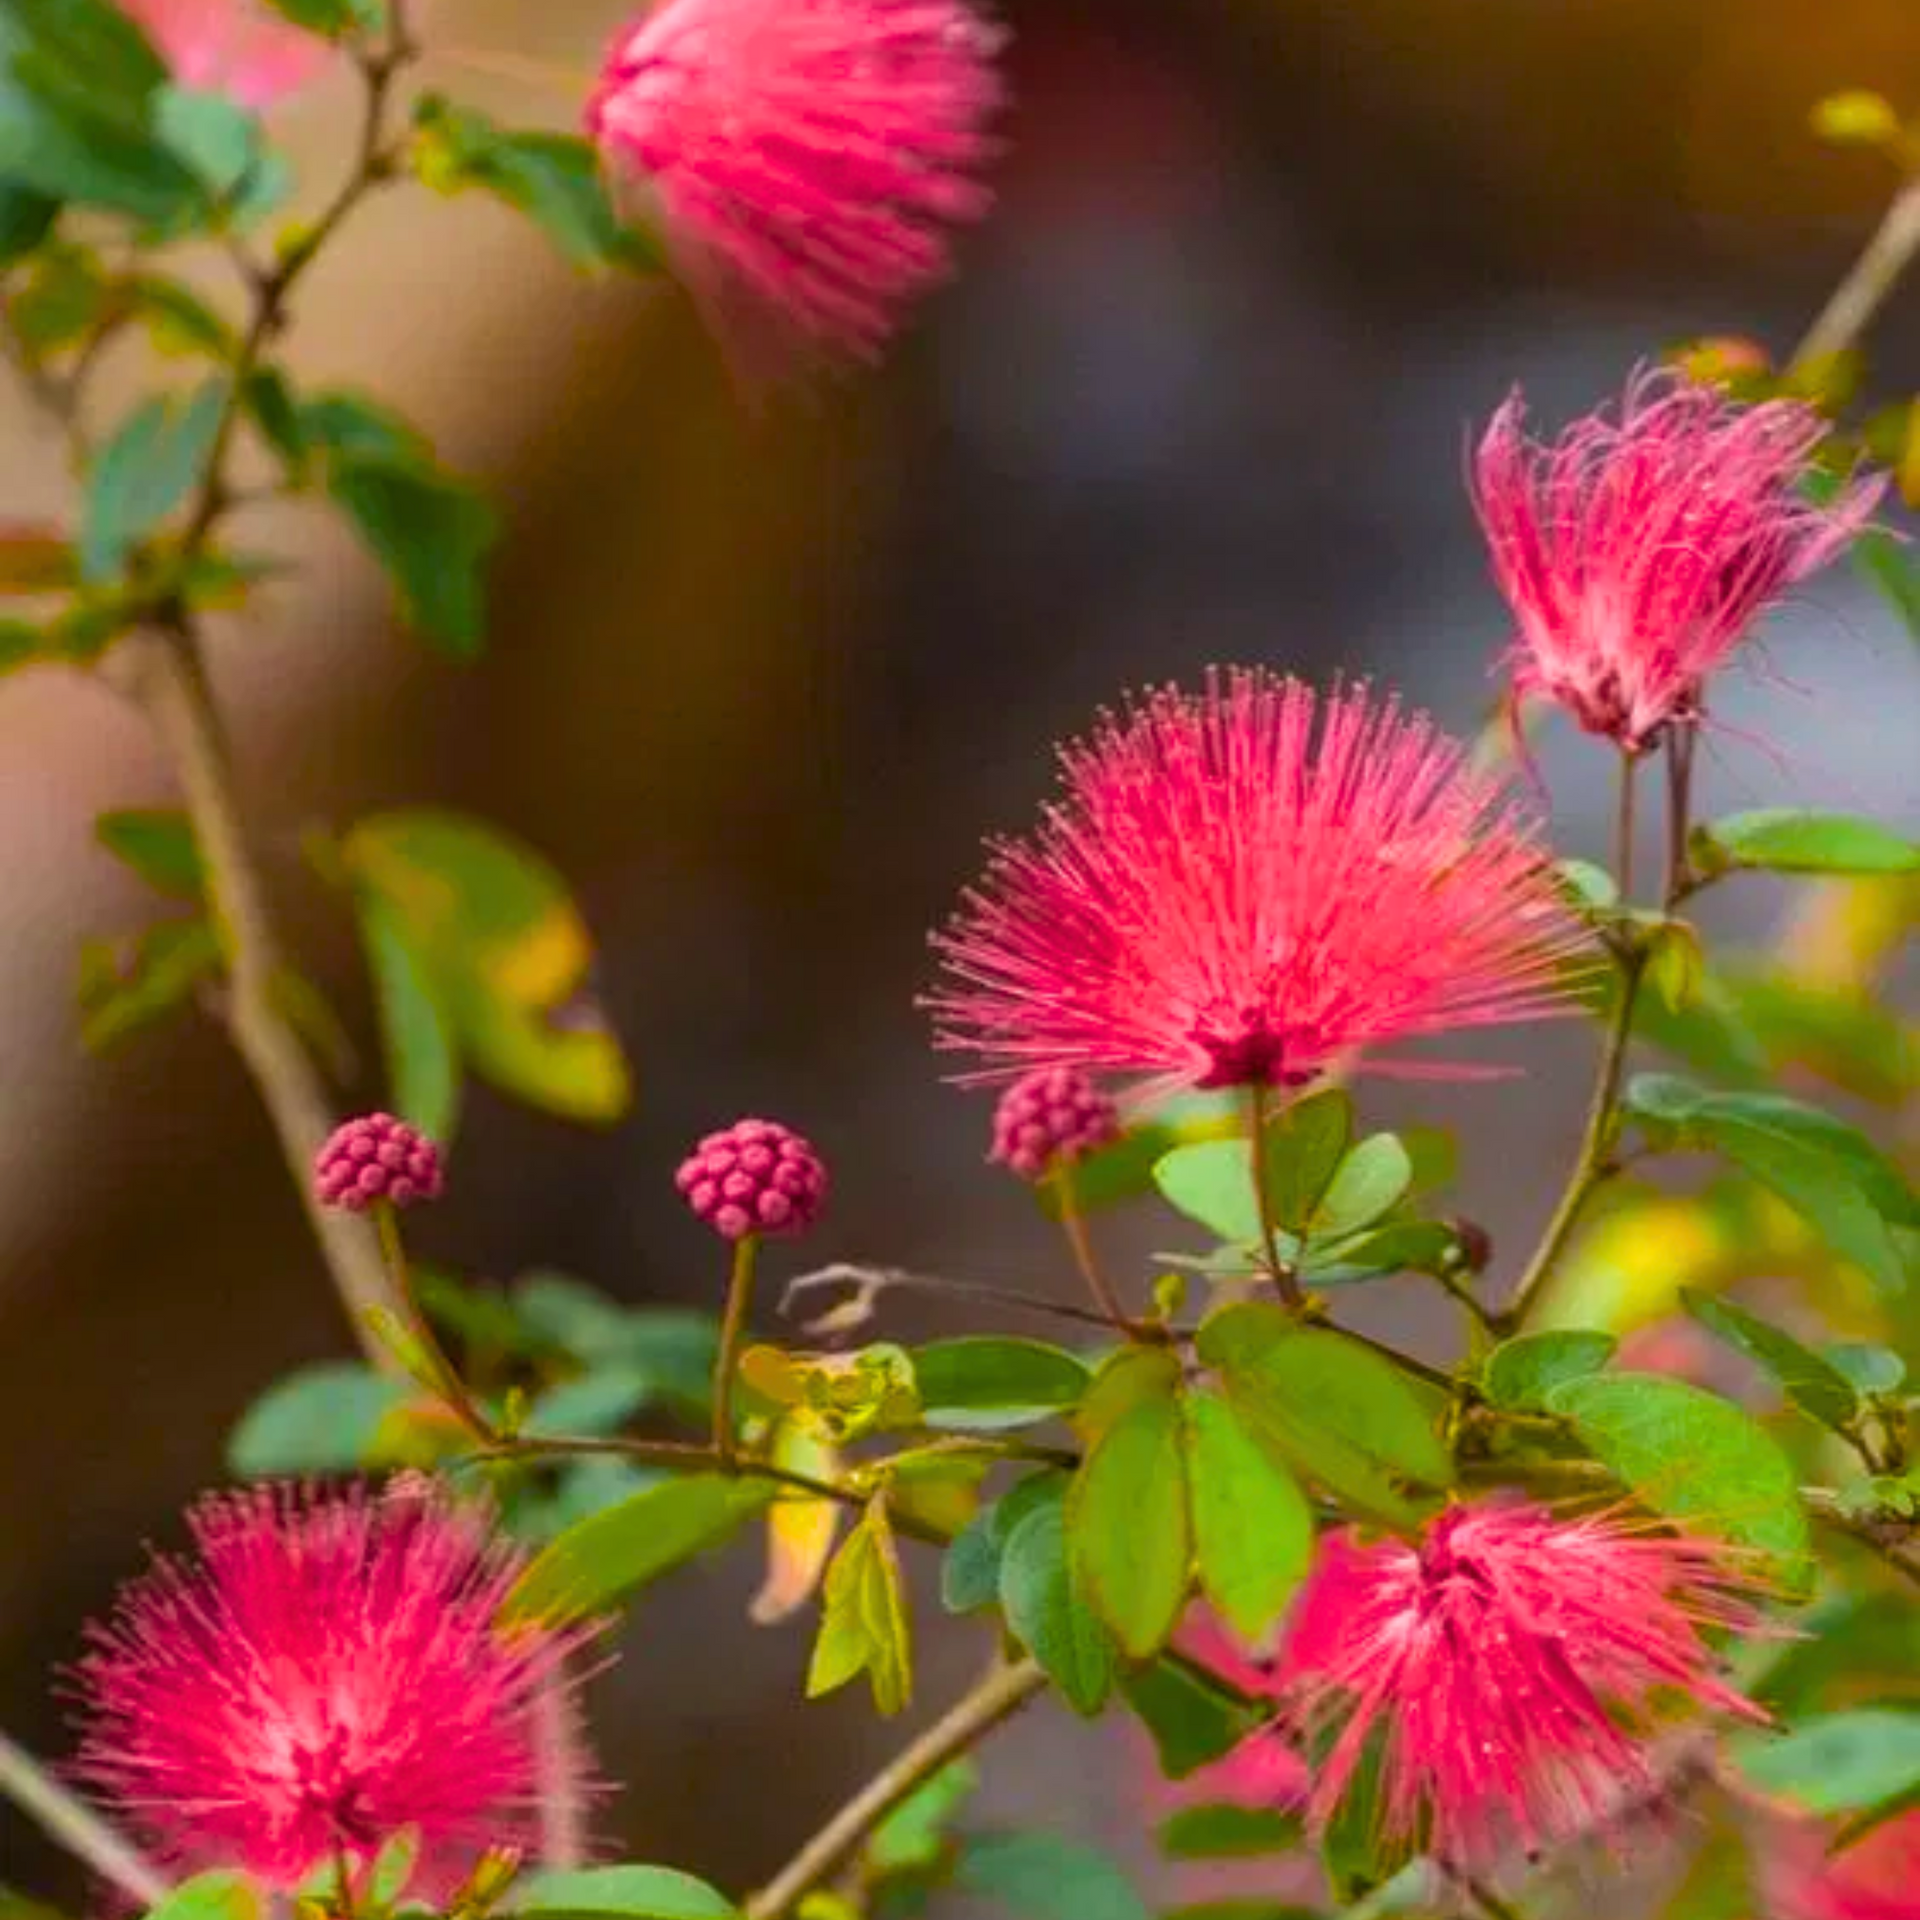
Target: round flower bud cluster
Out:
[1053,1115]
[755,1176]
[374,1158]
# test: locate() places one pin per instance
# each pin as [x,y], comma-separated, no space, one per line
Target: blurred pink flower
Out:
[808,155]
[241,48]
[1243,886]
[1265,1769]
[324,1673]
[1877,1878]
[1637,552]
[1515,1665]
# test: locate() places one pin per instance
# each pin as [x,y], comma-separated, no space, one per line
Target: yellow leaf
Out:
[800,1531]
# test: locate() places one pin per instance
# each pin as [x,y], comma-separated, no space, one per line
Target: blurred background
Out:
[758,682]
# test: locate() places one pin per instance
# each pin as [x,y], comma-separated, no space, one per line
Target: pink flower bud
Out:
[377,1157]
[755,1176]
[1051,1116]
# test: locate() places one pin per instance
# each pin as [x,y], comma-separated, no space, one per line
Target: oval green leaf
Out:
[1695,1458]
[1814,1385]
[624,1547]
[638,1893]
[1048,1617]
[1252,1527]
[1519,1373]
[319,1419]
[1840,1762]
[1127,1527]
[980,1384]
[1788,840]
[1371,1180]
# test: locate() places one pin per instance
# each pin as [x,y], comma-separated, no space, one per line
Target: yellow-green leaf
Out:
[800,1530]
[864,1626]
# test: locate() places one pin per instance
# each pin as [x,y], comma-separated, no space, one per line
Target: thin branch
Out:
[64,1817]
[1592,1164]
[1872,277]
[726,1362]
[1073,1224]
[1002,1693]
[1284,1278]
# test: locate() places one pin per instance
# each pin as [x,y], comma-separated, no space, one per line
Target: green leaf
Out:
[1355,1851]
[130,983]
[863,1618]
[219,1895]
[1788,840]
[626,1547]
[1814,1385]
[1306,1143]
[1194,1717]
[554,179]
[178,321]
[20,645]
[1845,1639]
[506,951]
[1370,1181]
[1867,1368]
[1520,1373]
[1886,563]
[1333,1409]
[644,1893]
[1252,1527]
[332,20]
[212,135]
[1047,1616]
[432,532]
[914,1834]
[145,470]
[1827,1171]
[1224,1831]
[323,1418]
[1400,1246]
[1212,1182]
[1040,1876]
[1128,1537]
[1242,1907]
[269,403]
[1590,886]
[1125,1169]
[1695,1458]
[596,1403]
[65,295]
[157,843]
[416,1028]
[977,1384]
[675,1346]
[1839,1763]
[26,218]
[970,1573]
[347,426]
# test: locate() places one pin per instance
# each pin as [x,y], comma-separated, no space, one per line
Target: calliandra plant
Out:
[1417,1632]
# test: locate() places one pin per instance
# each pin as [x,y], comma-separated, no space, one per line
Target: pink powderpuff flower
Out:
[1266,1769]
[1242,887]
[241,48]
[324,1672]
[1515,1667]
[807,155]
[1877,1878]
[1638,552]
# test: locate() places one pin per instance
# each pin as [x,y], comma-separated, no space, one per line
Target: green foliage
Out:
[1223,1831]
[146,468]
[1827,1171]
[1520,1373]
[1867,1368]
[1193,1716]
[1128,1532]
[1838,1763]
[1790,840]
[554,179]
[1695,1458]
[432,533]
[970,1574]
[76,115]
[222,146]
[325,1418]
[1370,1181]
[979,1384]
[631,1892]
[1040,1876]
[1813,1384]
[157,843]
[863,1619]
[840,1396]
[128,983]
[674,1347]
[1252,1527]
[1335,1411]
[626,1547]
[332,19]
[914,1835]
[479,951]
[1045,1612]
[26,218]
[219,1895]
[1211,1182]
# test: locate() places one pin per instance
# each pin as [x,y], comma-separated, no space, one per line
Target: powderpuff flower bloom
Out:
[1267,1768]
[1637,552]
[323,1672]
[1877,1878]
[1514,1666]
[241,48]
[808,156]
[1244,886]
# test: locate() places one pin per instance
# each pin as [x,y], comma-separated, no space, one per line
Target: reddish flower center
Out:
[334,1793]
[1247,1046]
